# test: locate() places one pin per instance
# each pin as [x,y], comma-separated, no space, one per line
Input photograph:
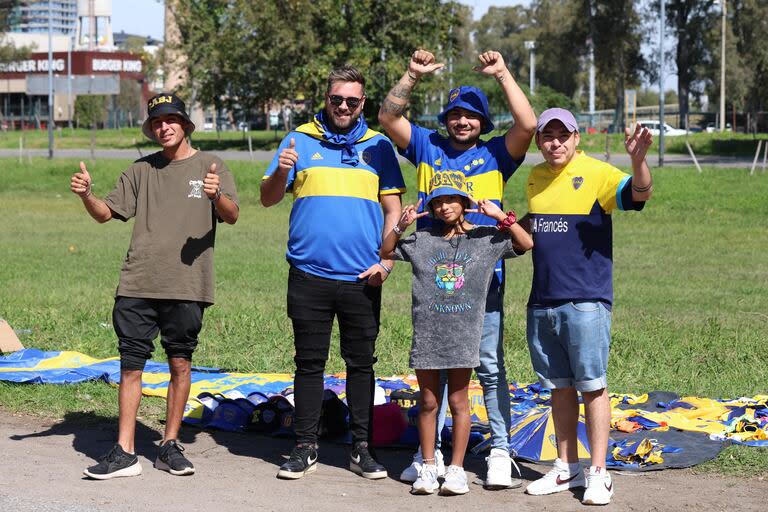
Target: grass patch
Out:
[703,144]
[690,278]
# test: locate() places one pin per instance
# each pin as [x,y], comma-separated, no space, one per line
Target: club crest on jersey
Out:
[577,181]
[365,156]
[454,94]
[195,189]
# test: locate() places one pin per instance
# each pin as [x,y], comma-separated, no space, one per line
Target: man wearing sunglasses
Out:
[342,175]
[486,166]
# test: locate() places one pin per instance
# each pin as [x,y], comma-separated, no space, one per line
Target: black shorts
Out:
[138,321]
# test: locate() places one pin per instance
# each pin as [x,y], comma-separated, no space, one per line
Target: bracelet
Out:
[386,268]
[396,229]
[412,76]
[643,189]
[508,221]
[217,195]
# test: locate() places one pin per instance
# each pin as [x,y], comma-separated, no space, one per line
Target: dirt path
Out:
[42,461]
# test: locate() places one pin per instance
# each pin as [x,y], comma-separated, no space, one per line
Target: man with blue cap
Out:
[485,165]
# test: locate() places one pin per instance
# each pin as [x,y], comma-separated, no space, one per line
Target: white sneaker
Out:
[411,473]
[559,478]
[599,487]
[455,482]
[499,474]
[426,482]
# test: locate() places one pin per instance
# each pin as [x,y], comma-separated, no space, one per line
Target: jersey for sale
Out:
[336,220]
[571,226]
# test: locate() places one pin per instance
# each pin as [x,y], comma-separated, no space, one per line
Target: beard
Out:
[464,139]
[341,125]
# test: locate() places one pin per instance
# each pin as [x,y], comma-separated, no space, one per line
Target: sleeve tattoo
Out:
[399,91]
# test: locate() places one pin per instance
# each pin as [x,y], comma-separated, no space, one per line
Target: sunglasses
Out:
[352,102]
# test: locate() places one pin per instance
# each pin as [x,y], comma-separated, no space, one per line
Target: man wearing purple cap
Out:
[570,200]
[485,165]
[177,196]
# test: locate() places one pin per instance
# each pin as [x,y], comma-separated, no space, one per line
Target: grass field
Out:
[690,314]
[726,144]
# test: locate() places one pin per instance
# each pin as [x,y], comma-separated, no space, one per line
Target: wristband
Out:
[412,76]
[397,230]
[217,195]
[508,221]
[386,268]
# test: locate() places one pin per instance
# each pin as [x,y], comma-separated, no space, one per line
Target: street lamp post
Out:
[661,83]
[50,79]
[531,47]
[722,69]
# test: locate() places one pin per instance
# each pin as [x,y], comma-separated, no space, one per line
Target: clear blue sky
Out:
[145,17]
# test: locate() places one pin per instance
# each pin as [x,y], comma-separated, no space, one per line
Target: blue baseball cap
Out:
[469,98]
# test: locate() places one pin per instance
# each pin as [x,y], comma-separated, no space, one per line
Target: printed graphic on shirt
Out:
[195,189]
[450,273]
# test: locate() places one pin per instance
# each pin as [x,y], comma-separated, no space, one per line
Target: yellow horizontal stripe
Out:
[391,191]
[333,181]
[489,185]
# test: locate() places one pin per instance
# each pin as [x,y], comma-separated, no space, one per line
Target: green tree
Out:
[90,110]
[241,54]
[9,52]
[616,31]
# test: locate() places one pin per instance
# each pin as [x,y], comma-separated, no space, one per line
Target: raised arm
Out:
[392,109]
[518,138]
[81,184]
[521,240]
[637,145]
[273,188]
[392,234]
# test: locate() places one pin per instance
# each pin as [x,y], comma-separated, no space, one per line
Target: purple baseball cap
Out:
[557,114]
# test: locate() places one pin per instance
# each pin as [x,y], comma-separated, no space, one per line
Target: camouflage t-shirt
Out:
[450,286]
[171,250]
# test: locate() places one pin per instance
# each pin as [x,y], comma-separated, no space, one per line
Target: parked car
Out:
[653,127]
[712,127]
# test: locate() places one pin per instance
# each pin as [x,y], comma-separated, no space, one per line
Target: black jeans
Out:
[312,304]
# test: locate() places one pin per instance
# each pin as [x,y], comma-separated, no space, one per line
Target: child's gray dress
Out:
[450,285]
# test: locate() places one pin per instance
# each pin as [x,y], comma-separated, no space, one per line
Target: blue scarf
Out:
[347,140]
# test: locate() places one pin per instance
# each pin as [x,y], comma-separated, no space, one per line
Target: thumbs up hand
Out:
[211,184]
[81,182]
[288,157]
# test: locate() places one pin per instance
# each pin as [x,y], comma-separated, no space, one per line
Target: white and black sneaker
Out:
[302,461]
[362,462]
[116,463]
[171,459]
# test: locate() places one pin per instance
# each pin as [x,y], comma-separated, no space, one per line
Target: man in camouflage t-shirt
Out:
[176,196]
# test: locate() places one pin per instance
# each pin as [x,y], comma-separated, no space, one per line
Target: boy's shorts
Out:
[138,321]
[569,345]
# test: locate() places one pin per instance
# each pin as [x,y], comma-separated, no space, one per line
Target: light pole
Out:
[722,70]
[50,79]
[531,47]
[661,83]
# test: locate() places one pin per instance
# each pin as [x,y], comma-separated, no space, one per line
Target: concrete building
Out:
[85,61]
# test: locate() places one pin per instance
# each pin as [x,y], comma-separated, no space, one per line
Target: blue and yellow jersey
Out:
[485,168]
[570,215]
[336,219]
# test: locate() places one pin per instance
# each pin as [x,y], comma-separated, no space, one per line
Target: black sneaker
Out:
[362,462]
[303,460]
[116,463]
[170,458]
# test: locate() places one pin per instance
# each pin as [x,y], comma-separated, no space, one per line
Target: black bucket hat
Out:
[162,104]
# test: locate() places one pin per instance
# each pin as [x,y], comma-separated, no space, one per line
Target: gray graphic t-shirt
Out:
[450,285]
